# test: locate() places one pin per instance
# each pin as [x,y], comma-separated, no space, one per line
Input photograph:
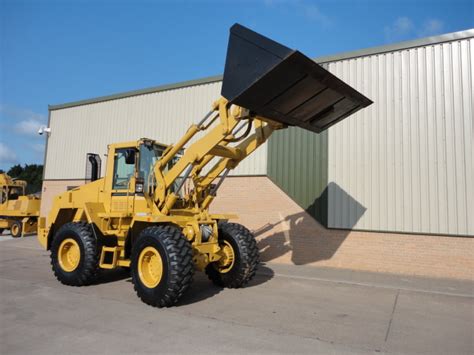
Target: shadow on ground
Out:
[202,288]
[107,276]
[304,235]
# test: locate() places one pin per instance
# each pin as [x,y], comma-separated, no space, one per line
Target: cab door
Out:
[123,181]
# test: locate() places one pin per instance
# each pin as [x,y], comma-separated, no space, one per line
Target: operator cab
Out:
[138,162]
[10,193]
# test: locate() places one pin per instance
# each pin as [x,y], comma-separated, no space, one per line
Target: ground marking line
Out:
[391,316]
[370,285]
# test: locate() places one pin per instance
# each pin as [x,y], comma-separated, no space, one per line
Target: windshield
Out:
[11,193]
[149,154]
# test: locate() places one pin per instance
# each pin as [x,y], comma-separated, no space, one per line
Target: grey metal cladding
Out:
[324,59]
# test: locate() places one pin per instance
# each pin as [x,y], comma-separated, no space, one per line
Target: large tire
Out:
[245,258]
[81,268]
[162,265]
[15,229]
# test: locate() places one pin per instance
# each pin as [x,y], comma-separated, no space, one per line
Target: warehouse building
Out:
[389,189]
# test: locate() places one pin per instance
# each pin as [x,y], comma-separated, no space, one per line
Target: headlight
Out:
[138,187]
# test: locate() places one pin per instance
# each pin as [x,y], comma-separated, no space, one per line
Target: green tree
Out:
[32,174]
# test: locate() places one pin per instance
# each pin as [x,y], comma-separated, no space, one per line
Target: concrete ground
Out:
[286,309]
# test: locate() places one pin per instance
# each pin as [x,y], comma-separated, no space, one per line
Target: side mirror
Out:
[130,156]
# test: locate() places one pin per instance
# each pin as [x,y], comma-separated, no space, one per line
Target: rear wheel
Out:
[15,229]
[74,254]
[239,257]
[161,265]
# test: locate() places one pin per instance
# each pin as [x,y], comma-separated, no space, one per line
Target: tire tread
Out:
[249,258]
[181,266]
[91,257]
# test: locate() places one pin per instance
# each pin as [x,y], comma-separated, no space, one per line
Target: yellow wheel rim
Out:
[226,262]
[69,255]
[150,267]
[15,229]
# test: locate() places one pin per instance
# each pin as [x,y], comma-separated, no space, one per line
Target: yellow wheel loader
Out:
[18,212]
[151,210]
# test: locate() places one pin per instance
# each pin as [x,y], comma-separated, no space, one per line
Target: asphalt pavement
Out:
[286,309]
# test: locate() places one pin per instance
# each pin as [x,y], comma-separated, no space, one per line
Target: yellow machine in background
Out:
[18,212]
[151,210]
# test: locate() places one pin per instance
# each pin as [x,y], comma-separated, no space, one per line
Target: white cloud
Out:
[25,121]
[7,156]
[431,27]
[404,28]
[29,127]
[399,28]
[38,148]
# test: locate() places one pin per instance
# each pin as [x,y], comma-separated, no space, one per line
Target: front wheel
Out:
[74,254]
[239,257]
[15,229]
[162,265]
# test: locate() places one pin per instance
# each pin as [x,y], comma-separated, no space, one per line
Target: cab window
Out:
[124,167]
[15,192]
[149,154]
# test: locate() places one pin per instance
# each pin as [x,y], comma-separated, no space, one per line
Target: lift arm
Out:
[221,128]
[266,86]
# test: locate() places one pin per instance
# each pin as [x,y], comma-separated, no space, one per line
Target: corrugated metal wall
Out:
[164,116]
[408,158]
[297,163]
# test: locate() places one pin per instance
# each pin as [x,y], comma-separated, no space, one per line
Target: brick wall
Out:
[287,234]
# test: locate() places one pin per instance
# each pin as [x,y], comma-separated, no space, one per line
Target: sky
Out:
[53,52]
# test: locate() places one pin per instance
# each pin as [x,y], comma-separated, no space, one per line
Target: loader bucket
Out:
[284,85]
